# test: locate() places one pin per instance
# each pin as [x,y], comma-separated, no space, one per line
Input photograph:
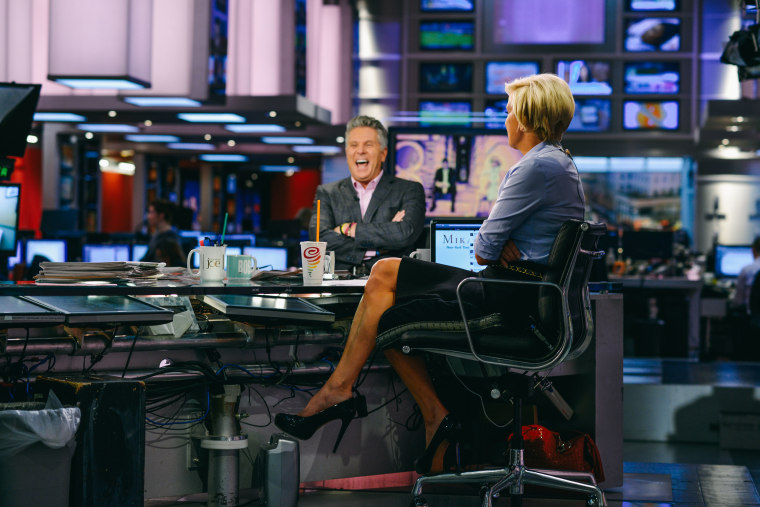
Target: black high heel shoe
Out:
[304,427]
[447,433]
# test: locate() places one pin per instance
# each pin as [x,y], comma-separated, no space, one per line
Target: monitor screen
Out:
[15,258]
[452,242]
[500,73]
[730,259]
[447,5]
[652,5]
[53,250]
[447,35]
[647,245]
[269,257]
[591,115]
[548,22]
[586,77]
[17,105]
[10,199]
[446,77]
[106,253]
[650,115]
[139,251]
[460,170]
[434,112]
[495,113]
[653,34]
[652,77]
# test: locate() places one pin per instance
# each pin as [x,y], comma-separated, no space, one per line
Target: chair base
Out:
[514,477]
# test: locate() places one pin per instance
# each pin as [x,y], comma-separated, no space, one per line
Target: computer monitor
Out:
[15,258]
[275,257]
[9,213]
[105,253]
[52,249]
[647,245]
[730,259]
[452,242]
[138,251]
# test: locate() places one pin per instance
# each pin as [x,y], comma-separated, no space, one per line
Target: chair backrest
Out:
[569,266]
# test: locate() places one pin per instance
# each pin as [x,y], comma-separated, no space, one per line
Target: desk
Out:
[690,289]
[375,445]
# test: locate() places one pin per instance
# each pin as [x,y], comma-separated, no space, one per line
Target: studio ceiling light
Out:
[211,117]
[162,101]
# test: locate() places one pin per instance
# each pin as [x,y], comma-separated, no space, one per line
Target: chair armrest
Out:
[560,350]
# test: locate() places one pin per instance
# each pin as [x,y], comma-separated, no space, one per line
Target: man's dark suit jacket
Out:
[340,204]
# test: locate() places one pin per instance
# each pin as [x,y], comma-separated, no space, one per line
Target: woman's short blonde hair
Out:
[543,104]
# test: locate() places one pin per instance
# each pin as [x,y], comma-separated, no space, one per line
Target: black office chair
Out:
[562,329]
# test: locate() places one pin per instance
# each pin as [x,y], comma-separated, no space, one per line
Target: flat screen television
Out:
[447,35]
[53,250]
[447,5]
[730,259]
[586,77]
[476,160]
[106,253]
[591,115]
[647,245]
[269,257]
[495,113]
[434,112]
[445,77]
[500,73]
[652,77]
[652,5]
[10,200]
[650,115]
[17,105]
[653,34]
[547,22]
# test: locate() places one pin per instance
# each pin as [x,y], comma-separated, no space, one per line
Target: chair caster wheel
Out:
[418,501]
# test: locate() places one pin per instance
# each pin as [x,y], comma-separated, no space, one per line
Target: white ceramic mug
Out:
[211,263]
[422,254]
[313,261]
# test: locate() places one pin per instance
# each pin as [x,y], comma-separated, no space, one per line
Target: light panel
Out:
[287,140]
[99,84]
[248,128]
[62,117]
[211,117]
[162,101]
[223,157]
[327,150]
[278,168]
[151,138]
[191,146]
[107,127]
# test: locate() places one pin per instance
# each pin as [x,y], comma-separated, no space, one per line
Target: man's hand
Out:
[509,253]
[399,216]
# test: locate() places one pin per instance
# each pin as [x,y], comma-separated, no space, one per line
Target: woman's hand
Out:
[509,253]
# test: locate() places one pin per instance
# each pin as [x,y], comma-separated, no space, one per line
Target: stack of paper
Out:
[73,272]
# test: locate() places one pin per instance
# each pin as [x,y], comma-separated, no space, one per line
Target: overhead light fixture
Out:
[32,139]
[110,166]
[107,127]
[86,59]
[162,102]
[98,84]
[278,168]
[211,117]
[151,138]
[252,128]
[62,117]
[191,146]
[327,150]
[287,140]
[223,157]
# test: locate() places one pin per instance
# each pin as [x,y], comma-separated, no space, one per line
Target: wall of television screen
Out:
[641,81]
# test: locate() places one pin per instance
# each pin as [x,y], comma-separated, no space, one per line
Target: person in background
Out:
[165,245]
[746,278]
[444,183]
[370,215]
[538,194]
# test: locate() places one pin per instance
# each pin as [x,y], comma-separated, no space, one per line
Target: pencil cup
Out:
[211,263]
[313,261]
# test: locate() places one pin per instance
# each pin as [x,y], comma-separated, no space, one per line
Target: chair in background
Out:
[562,329]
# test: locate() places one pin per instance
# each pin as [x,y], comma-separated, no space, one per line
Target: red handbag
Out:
[547,449]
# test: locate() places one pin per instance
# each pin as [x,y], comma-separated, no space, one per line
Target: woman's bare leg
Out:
[414,374]
[379,295]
